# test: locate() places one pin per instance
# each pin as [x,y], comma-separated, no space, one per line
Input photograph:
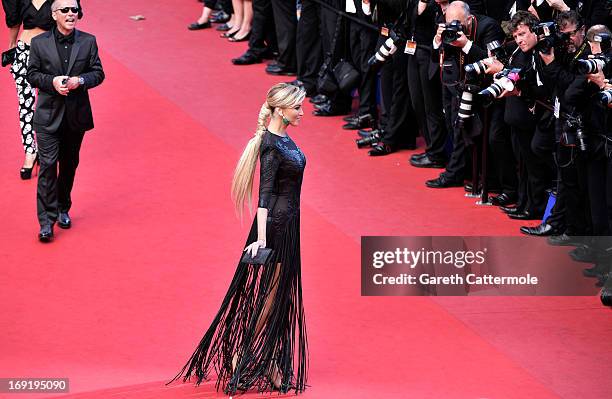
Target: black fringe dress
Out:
[281,346]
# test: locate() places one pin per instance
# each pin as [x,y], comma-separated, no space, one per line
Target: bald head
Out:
[458,10]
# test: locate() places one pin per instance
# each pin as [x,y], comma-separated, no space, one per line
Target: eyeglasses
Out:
[573,32]
[65,10]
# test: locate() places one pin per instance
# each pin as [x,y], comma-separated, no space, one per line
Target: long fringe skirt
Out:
[242,358]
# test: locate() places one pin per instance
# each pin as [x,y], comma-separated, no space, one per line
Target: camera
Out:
[605,97]
[504,80]
[451,31]
[386,50]
[497,51]
[549,37]
[593,65]
[370,140]
[574,127]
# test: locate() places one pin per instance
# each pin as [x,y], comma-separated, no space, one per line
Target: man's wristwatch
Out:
[81,80]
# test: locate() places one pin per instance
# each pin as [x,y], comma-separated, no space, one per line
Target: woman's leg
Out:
[205,15]
[237,17]
[247,19]
[26,97]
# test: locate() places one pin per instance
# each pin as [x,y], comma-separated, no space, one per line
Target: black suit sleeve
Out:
[557,75]
[12,12]
[36,77]
[490,32]
[579,91]
[95,74]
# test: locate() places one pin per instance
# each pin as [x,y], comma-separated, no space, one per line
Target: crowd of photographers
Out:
[512,91]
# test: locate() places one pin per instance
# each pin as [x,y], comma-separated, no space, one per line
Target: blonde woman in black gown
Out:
[258,338]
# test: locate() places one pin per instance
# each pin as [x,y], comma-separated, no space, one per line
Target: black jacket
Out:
[45,64]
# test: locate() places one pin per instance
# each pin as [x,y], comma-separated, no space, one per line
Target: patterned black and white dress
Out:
[281,346]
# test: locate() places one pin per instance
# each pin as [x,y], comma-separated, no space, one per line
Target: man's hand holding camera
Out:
[64,84]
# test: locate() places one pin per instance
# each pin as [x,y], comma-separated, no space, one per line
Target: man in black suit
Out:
[63,65]
[470,46]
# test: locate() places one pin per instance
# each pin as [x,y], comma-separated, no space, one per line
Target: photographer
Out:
[461,41]
[570,213]
[424,83]
[397,128]
[524,117]
[583,94]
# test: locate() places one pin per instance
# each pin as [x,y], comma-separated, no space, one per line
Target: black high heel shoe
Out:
[242,39]
[227,35]
[26,173]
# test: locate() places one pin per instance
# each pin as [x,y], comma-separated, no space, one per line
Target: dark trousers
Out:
[599,172]
[456,167]
[538,173]
[573,189]
[426,98]
[285,21]
[226,5]
[503,161]
[309,51]
[263,34]
[55,184]
[329,21]
[362,44]
[399,129]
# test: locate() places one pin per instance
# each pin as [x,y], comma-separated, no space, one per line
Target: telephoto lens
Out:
[605,97]
[386,50]
[493,91]
[368,141]
[477,67]
[587,67]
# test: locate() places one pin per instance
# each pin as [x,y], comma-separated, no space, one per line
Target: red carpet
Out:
[118,302]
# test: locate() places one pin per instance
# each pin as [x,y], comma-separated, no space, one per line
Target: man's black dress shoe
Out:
[361,122]
[46,233]
[328,109]
[350,118]
[418,156]
[247,58]
[443,182]
[318,99]
[220,18]
[367,133]
[64,221]
[426,162]
[524,215]
[585,254]
[503,199]
[381,149]
[468,188]
[564,240]
[598,270]
[197,26]
[541,230]
[275,69]
[510,209]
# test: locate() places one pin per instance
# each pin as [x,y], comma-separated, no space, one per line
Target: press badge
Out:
[410,47]
[557,108]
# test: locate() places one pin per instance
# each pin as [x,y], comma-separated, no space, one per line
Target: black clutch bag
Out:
[8,57]
[263,256]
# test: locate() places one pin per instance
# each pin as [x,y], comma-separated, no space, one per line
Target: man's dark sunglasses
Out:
[75,10]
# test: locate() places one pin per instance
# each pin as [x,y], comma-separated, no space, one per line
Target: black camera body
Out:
[549,37]
[451,31]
